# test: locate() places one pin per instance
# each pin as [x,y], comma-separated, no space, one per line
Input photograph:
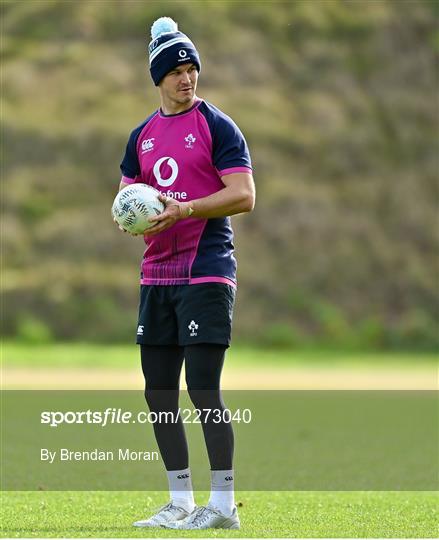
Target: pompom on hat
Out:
[169,48]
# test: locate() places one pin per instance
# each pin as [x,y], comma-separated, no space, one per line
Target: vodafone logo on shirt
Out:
[165,171]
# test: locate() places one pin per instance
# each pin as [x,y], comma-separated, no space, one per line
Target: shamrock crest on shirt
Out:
[190,139]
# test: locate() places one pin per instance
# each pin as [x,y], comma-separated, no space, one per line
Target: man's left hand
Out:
[174,211]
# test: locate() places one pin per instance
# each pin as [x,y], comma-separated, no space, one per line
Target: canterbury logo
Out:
[181,476]
[165,182]
[228,478]
[147,145]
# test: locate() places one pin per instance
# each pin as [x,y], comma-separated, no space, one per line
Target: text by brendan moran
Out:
[121,454]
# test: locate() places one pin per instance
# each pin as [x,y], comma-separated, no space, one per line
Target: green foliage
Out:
[280,336]
[371,332]
[331,321]
[416,330]
[338,103]
[33,331]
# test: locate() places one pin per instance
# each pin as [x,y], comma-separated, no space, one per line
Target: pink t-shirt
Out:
[184,156]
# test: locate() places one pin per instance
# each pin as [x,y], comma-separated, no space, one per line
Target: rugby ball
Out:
[134,205]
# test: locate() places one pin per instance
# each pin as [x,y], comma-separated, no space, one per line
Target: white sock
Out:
[222,494]
[180,489]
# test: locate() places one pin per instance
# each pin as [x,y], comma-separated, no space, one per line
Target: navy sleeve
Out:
[229,148]
[130,164]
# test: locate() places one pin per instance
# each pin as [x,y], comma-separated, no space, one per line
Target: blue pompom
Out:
[164,25]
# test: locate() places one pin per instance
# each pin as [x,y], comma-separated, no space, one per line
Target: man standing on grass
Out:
[198,159]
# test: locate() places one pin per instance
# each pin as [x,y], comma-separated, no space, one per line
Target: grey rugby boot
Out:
[206,517]
[167,514]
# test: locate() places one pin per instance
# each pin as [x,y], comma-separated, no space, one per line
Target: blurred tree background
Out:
[338,102]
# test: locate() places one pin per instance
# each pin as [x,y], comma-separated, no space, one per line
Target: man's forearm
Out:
[227,202]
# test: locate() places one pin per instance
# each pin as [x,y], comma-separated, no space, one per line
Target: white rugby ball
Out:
[134,205]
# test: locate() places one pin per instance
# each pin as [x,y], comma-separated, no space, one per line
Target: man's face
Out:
[180,84]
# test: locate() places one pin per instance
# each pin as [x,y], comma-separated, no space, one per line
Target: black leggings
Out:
[161,366]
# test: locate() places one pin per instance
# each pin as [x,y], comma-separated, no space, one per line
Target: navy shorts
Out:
[185,314]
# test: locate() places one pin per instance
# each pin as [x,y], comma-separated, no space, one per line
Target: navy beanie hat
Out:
[169,48]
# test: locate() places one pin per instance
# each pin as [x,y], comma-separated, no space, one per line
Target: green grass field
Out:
[263,514]
[121,356]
